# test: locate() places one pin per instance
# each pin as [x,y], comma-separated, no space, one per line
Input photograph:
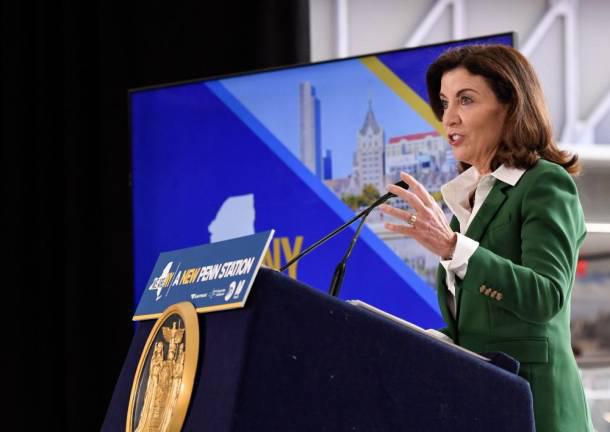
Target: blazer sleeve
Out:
[552,231]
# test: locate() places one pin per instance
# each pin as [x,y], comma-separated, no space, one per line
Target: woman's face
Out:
[473,117]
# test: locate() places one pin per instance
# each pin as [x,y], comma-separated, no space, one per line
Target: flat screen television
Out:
[298,150]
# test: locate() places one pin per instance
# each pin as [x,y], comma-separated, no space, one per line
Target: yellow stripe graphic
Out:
[403,91]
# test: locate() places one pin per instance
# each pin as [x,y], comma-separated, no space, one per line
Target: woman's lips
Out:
[455,139]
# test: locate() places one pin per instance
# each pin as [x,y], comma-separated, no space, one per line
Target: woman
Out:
[508,257]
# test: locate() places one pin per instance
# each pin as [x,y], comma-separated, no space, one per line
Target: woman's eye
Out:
[444,104]
[465,100]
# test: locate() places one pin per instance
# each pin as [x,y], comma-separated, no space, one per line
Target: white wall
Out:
[572,57]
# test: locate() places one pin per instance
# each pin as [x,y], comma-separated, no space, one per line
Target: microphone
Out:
[363,214]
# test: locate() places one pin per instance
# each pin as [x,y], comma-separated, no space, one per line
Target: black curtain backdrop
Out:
[66,68]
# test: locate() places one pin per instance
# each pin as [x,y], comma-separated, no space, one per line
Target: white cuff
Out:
[464,249]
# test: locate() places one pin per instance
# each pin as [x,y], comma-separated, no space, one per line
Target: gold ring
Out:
[412,220]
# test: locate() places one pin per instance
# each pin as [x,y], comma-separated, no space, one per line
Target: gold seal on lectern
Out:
[163,383]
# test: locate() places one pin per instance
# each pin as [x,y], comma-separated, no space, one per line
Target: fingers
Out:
[418,189]
[400,229]
[411,198]
[395,212]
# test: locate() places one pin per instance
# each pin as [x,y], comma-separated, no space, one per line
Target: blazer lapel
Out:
[479,225]
[488,210]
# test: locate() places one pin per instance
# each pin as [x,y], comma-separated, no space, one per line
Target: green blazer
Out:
[515,297]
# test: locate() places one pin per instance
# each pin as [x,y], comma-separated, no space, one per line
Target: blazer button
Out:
[499,296]
[483,288]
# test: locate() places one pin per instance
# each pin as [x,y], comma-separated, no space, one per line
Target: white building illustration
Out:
[309,117]
[369,158]
[417,154]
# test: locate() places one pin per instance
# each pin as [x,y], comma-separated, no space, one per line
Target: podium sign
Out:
[214,276]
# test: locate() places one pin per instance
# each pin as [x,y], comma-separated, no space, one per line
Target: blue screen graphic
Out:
[297,150]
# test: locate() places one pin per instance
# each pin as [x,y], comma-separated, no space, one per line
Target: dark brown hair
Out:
[527,133]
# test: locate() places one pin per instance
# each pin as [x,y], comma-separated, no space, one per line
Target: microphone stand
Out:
[363,214]
[337,280]
[326,237]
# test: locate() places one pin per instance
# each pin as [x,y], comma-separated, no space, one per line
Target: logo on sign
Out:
[162,281]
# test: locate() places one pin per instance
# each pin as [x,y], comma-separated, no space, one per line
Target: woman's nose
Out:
[450,116]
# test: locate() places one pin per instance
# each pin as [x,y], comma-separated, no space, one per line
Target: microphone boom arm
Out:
[322,240]
[364,213]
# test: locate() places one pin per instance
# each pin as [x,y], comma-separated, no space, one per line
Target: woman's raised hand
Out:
[426,223]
